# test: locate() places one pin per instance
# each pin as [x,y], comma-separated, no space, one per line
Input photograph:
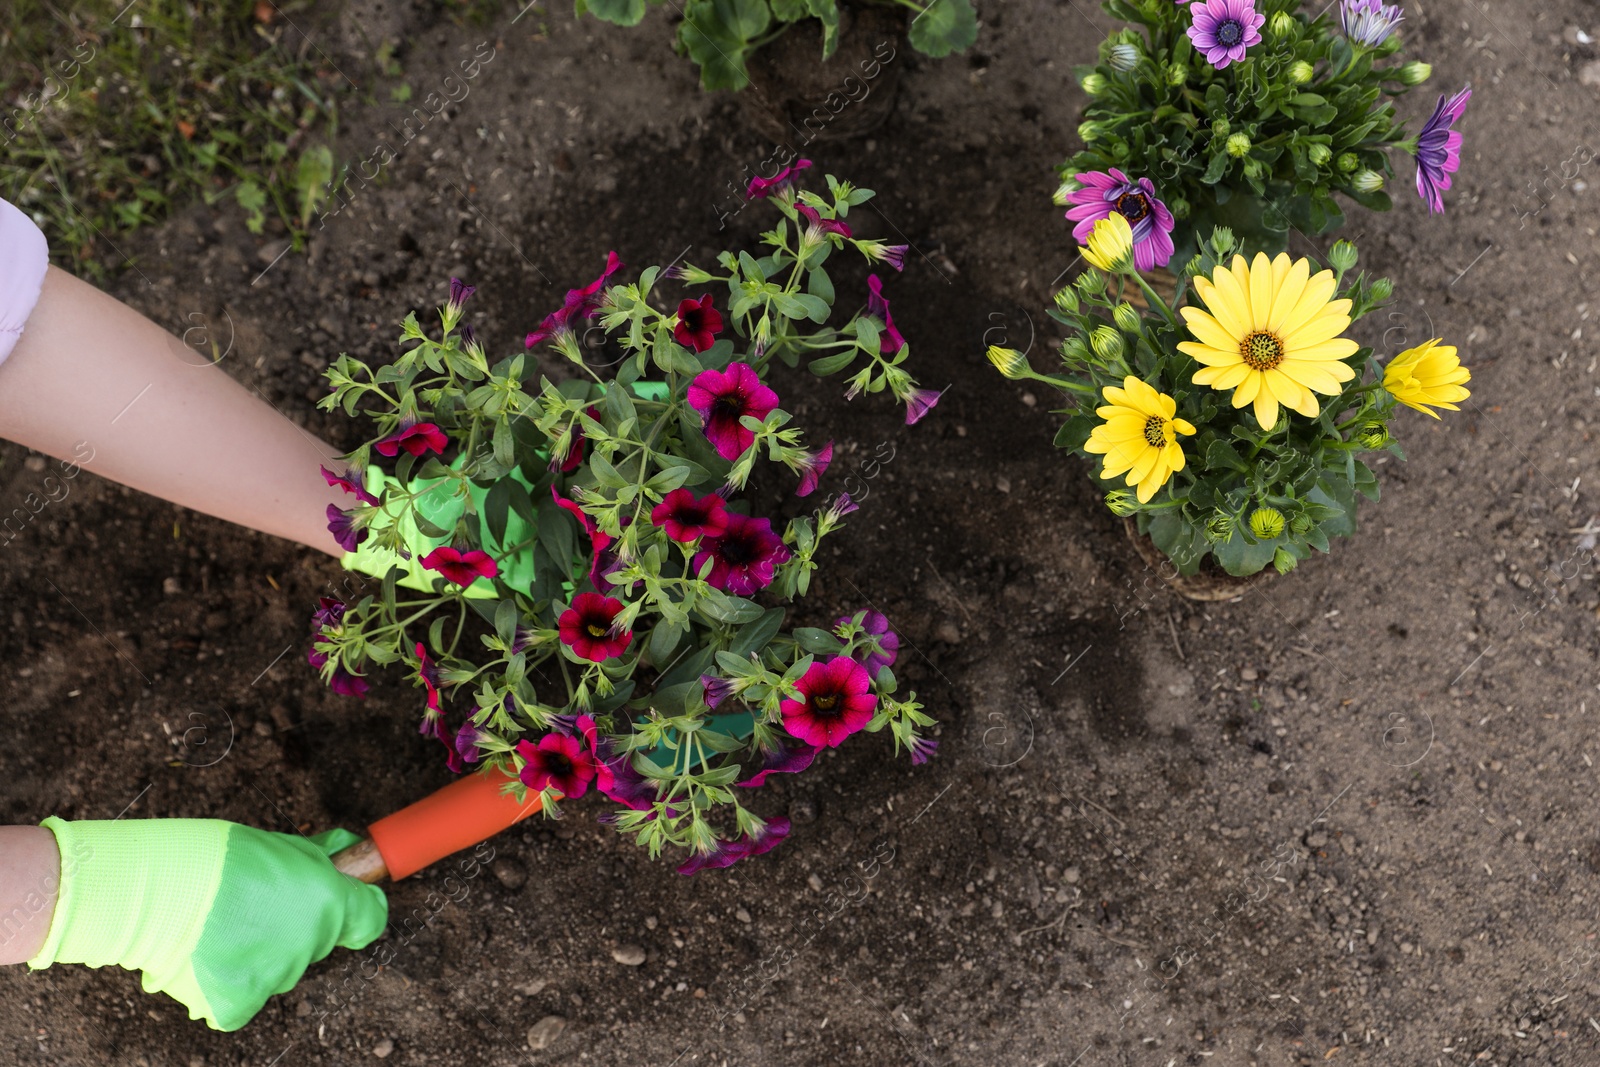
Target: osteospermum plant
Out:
[1232,422]
[571,572]
[1250,114]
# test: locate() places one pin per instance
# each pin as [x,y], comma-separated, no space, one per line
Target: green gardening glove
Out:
[218,916]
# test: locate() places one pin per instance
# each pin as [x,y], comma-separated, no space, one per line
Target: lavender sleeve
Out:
[23,259]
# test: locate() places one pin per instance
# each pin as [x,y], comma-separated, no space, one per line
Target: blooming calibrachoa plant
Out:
[1250,114]
[1231,426]
[570,571]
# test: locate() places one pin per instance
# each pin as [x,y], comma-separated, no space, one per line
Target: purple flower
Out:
[1113,191]
[1439,150]
[1368,22]
[743,557]
[892,255]
[918,403]
[350,482]
[579,304]
[784,760]
[344,682]
[1223,29]
[727,853]
[878,307]
[521,641]
[329,613]
[460,292]
[820,225]
[812,467]
[716,689]
[723,398]
[781,182]
[342,525]
[469,336]
[875,624]
[842,505]
[922,750]
[467,743]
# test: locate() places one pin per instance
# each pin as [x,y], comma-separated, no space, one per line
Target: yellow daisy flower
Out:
[1110,245]
[1270,332]
[1427,374]
[1139,437]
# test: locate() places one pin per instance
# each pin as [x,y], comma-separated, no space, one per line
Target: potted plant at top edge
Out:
[1230,113]
[1234,426]
[817,69]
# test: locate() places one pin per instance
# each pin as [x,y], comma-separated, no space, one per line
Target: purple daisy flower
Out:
[1105,193]
[1439,150]
[1368,22]
[1223,29]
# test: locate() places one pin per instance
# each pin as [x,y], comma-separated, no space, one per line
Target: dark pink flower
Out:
[329,613]
[723,398]
[579,304]
[344,682]
[586,627]
[428,672]
[820,225]
[876,624]
[599,540]
[781,182]
[785,760]
[890,340]
[812,468]
[743,557]
[463,568]
[698,324]
[837,701]
[918,403]
[687,517]
[417,438]
[575,450]
[350,482]
[557,761]
[342,524]
[716,689]
[466,743]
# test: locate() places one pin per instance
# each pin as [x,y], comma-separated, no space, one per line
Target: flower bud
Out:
[1121,502]
[1220,128]
[1062,196]
[1221,241]
[1416,72]
[1238,145]
[1301,524]
[1342,256]
[1122,57]
[1179,207]
[1177,74]
[1367,181]
[1283,24]
[1382,289]
[1089,132]
[1008,361]
[1074,352]
[1284,561]
[1300,71]
[1373,436]
[1094,84]
[1091,283]
[1266,523]
[1126,318]
[1319,154]
[688,274]
[1066,299]
[1107,343]
[1348,161]
[1253,168]
[1219,527]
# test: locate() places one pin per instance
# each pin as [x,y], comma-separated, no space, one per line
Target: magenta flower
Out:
[466,743]
[781,182]
[578,305]
[727,853]
[463,568]
[878,307]
[1368,22]
[744,557]
[698,324]
[586,627]
[1439,150]
[783,760]
[716,689]
[723,398]
[812,466]
[922,750]
[342,524]
[687,517]
[329,613]
[460,292]
[875,624]
[344,682]
[837,701]
[918,403]
[428,672]
[1114,192]
[350,482]
[1223,29]
[819,225]
[599,540]
[415,438]
[558,761]
[890,255]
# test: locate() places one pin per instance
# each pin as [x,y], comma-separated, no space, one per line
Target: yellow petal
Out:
[1319,289]
[1289,293]
[1266,409]
[1261,292]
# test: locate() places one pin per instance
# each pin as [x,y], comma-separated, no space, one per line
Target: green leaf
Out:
[944,26]
[755,636]
[664,640]
[669,479]
[505,620]
[497,509]
[1074,433]
[312,177]
[819,285]
[816,309]
[617,12]
[828,12]
[789,10]
[717,35]
[832,364]
[1222,455]
[817,642]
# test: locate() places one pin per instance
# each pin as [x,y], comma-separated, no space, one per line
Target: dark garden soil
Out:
[1347,818]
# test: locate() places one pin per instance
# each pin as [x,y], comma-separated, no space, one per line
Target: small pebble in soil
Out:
[1002,483]
[948,632]
[171,586]
[34,463]
[1248,674]
[650,922]
[263,728]
[383,1049]
[1070,875]
[814,882]
[1029,399]
[742,915]
[802,810]
[509,874]
[542,1034]
[628,955]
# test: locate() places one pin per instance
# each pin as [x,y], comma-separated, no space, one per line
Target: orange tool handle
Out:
[467,811]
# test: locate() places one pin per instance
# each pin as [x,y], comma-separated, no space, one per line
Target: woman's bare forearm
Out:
[30,875]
